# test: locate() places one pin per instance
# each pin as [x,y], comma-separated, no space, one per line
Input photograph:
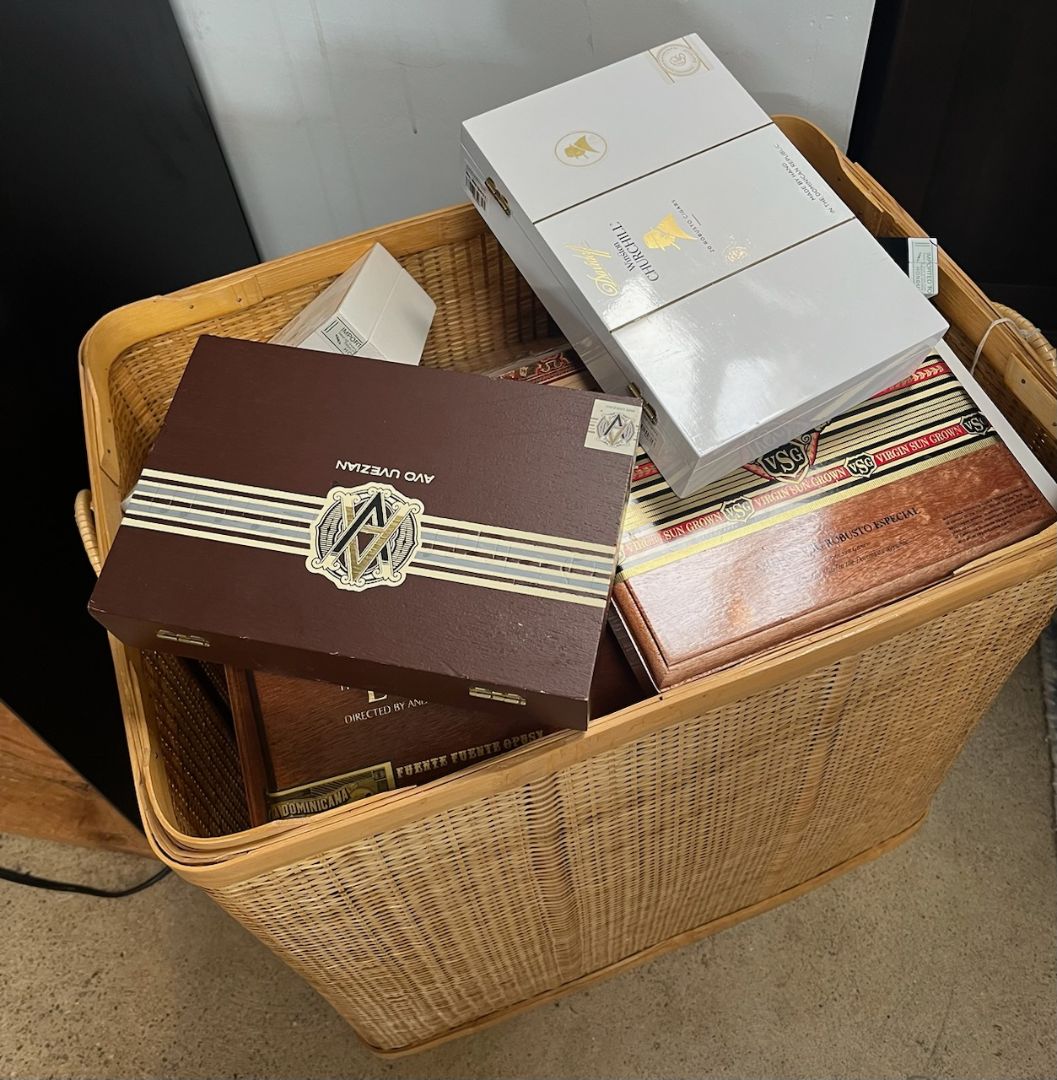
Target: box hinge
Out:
[497,695]
[498,195]
[647,409]
[182,639]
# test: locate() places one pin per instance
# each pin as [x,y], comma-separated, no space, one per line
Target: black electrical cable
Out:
[16,877]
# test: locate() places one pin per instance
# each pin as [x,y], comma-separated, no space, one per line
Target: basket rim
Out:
[225,860]
[218,861]
[142,320]
[1022,369]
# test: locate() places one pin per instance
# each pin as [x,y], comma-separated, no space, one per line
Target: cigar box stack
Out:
[751,430]
[410,574]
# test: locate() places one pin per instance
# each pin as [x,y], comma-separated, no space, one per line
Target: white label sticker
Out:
[923,264]
[342,336]
[475,189]
[614,426]
[650,437]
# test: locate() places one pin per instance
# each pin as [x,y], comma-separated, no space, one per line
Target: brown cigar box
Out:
[891,496]
[422,532]
[309,746]
[887,498]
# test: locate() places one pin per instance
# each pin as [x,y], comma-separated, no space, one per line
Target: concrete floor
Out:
[937,960]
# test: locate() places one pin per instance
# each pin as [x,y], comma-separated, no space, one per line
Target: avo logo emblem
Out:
[617,430]
[365,536]
[788,462]
[580,148]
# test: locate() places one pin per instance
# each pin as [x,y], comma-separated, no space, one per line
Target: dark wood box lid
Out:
[425,532]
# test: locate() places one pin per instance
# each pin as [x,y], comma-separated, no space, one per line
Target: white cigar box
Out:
[693,257]
[375,309]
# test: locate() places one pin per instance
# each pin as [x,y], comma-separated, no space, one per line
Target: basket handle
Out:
[84,515]
[1036,340]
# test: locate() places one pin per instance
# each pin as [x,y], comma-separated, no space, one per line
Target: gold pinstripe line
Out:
[795,511]
[647,516]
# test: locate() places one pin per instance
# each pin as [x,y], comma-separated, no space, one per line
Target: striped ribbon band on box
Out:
[921,422]
[447,549]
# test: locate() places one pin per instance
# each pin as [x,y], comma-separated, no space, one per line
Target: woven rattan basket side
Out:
[467,913]
[428,911]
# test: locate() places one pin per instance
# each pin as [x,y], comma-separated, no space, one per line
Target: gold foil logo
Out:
[580,148]
[592,259]
[678,59]
[665,234]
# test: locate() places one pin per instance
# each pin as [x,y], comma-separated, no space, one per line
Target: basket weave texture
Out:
[473,910]
[425,912]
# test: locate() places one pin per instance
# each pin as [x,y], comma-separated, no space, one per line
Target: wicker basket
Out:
[426,912]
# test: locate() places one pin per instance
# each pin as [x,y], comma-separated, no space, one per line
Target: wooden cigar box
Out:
[375,524]
[887,498]
[310,746]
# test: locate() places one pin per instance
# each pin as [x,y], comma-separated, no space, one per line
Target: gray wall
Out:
[338,115]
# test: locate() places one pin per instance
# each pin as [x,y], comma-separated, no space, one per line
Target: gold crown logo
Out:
[665,234]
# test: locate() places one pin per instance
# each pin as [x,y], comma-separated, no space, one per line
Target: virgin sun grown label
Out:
[426,533]
[693,257]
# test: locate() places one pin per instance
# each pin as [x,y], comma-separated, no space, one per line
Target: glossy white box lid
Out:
[661,237]
[772,351]
[622,121]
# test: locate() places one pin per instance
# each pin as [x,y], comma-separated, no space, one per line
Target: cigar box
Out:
[421,532]
[374,309]
[693,257]
[555,365]
[885,499]
[310,746]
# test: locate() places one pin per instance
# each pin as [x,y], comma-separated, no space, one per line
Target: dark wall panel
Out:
[114,188]
[955,118]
